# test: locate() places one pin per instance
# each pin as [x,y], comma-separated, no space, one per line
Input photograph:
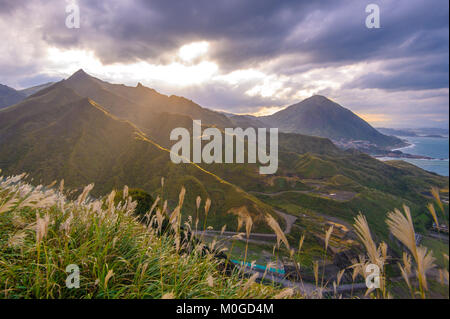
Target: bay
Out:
[435,147]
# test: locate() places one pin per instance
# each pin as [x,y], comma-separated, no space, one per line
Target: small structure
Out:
[440,228]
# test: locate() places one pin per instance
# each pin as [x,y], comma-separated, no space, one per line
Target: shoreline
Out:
[437,165]
[414,158]
[403,147]
[399,152]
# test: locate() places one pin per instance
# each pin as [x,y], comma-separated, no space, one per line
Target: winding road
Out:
[255,237]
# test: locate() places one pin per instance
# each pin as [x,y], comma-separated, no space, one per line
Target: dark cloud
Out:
[8,6]
[285,38]
[247,32]
[242,31]
[426,73]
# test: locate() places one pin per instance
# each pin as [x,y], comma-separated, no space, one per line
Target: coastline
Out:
[403,147]
[437,163]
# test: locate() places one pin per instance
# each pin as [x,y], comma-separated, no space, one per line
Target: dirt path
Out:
[333,219]
[232,233]
[289,219]
[342,196]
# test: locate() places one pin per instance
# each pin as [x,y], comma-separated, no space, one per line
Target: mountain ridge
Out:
[51,137]
[319,116]
[9,96]
[142,100]
[34,89]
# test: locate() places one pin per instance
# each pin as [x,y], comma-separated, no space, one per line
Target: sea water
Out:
[434,147]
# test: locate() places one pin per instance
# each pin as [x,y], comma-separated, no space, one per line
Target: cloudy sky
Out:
[244,56]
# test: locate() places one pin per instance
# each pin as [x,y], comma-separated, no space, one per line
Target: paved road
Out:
[309,288]
[439,236]
[255,237]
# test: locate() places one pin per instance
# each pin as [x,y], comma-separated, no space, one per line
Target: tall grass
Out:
[41,233]
[121,255]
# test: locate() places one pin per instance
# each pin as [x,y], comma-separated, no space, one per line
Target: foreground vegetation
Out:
[124,255]
[41,233]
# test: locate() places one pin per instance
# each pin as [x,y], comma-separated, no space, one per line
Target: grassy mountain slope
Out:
[318,116]
[136,103]
[57,134]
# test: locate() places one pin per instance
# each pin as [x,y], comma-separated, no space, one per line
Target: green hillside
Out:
[139,103]
[66,132]
[65,136]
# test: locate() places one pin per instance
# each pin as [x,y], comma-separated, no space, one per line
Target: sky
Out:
[244,56]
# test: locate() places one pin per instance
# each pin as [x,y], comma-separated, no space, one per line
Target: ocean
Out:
[434,147]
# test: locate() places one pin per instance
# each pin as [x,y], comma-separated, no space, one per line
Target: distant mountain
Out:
[414,132]
[247,121]
[396,132]
[430,131]
[9,96]
[31,90]
[319,116]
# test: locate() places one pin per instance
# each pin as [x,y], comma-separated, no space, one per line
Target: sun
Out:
[191,51]
[179,73]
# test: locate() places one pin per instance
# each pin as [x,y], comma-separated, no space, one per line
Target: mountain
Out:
[9,96]
[396,132]
[431,131]
[319,116]
[141,102]
[57,134]
[86,130]
[34,89]
[247,121]
[414,132]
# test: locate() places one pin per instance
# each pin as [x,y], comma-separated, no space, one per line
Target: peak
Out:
[146,88]
[318,98]
[80,73]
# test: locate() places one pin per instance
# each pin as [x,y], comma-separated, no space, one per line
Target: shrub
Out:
[143,199]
